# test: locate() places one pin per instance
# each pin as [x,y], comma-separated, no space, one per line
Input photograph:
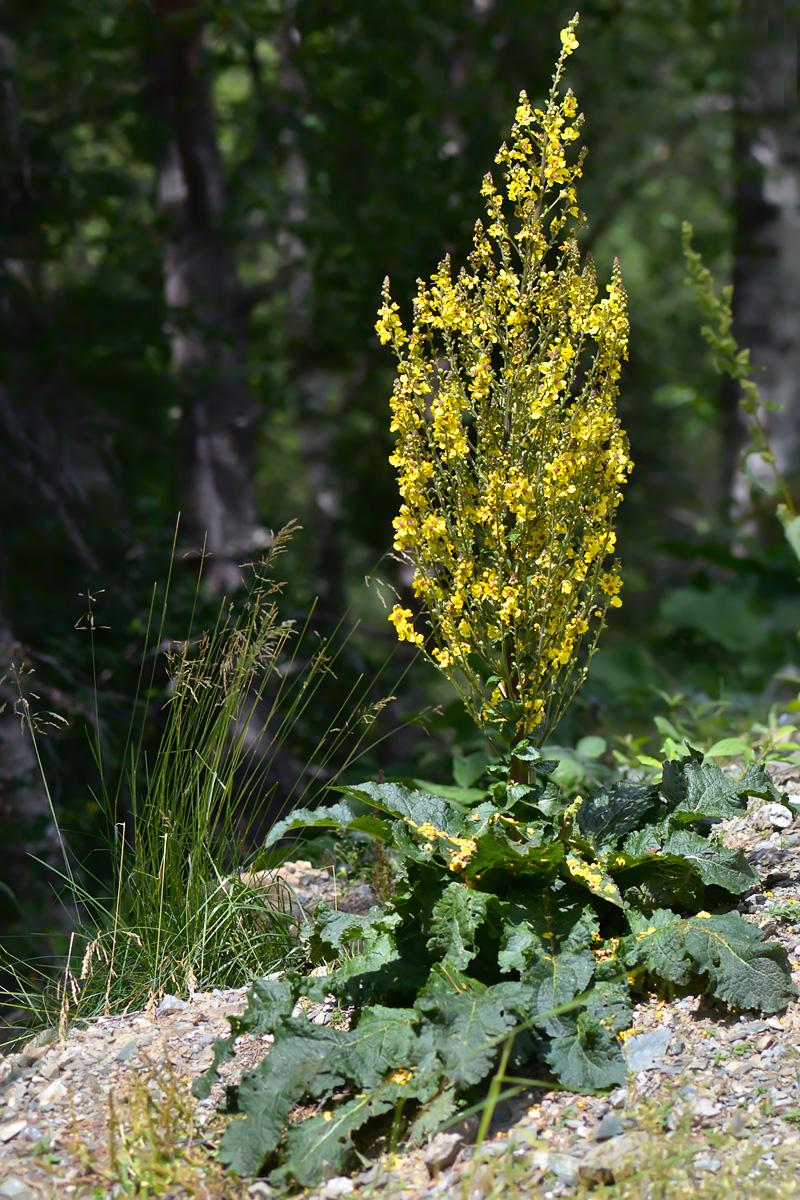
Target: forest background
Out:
[199,203]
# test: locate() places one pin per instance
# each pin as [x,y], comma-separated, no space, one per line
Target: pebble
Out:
[16,1189]
[52,1094]
[610,1126]
[171,1004]
[340,1185]
[7,1132]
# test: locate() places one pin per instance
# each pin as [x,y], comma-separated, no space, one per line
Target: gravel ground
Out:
[714,1078]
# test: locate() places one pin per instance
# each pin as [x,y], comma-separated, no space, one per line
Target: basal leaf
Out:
[319,1147]
[294,1067]
[456,917]
[554,980]
[464,1032]
[658,943]
[606,816]
[743,969]
[590,1059]
[717,866]
[609,999]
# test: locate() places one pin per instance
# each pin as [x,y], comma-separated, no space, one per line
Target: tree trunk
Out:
[204,298]
[767,250]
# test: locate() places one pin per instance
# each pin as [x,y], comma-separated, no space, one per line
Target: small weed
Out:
[153,1146]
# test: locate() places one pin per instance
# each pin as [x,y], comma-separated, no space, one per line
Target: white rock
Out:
[7,1132]
[773,816]
[52,1094]
[340,1185]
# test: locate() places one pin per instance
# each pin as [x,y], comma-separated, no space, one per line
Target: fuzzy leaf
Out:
[457,915]
[554,980]
[757,781]
[342,815]
[717,866]
[464,1032]
[605,817]
[709,793]
[543,924]
[411,805]
[593,877]
[322,1146]
[657,942]
[589,1060]
[334,929]
[743,969]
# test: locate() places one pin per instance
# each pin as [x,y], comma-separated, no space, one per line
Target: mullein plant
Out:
[521,927]
[509,453]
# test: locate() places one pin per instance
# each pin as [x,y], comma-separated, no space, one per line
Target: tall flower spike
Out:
[510,455]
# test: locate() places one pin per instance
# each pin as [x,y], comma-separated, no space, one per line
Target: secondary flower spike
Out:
[510,455]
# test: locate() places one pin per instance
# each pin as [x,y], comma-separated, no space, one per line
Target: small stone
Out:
[645,1050]
[127,1051]
[16,1189]
[610,1163]
[49,1069]
[735,1124]
[7,1132]
[261,1190]
[564,1166]
[609,1127]
[340,1185]
[441,1151]
[52,1094]
[171,1004]
[618,1097]
[703,1108]
[773,816]
[707,1162]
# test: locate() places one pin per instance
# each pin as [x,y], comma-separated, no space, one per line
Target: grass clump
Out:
[186,822]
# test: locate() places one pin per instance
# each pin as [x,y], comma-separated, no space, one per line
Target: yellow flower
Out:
[510,456]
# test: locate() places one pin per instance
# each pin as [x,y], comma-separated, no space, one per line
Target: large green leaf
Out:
[334,930]
[743,969]
[554,980]
[319,1147]
[709,793]
[456,917]
[591,875]
[658,943]
[413,806]
[589,1060]
[534,925]
[606,816]
[464,1032]
[757,781]
[717,866]
[342,815]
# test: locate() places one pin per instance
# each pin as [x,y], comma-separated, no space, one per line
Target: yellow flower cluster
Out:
[592,875]
[464,847]
[509,453]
